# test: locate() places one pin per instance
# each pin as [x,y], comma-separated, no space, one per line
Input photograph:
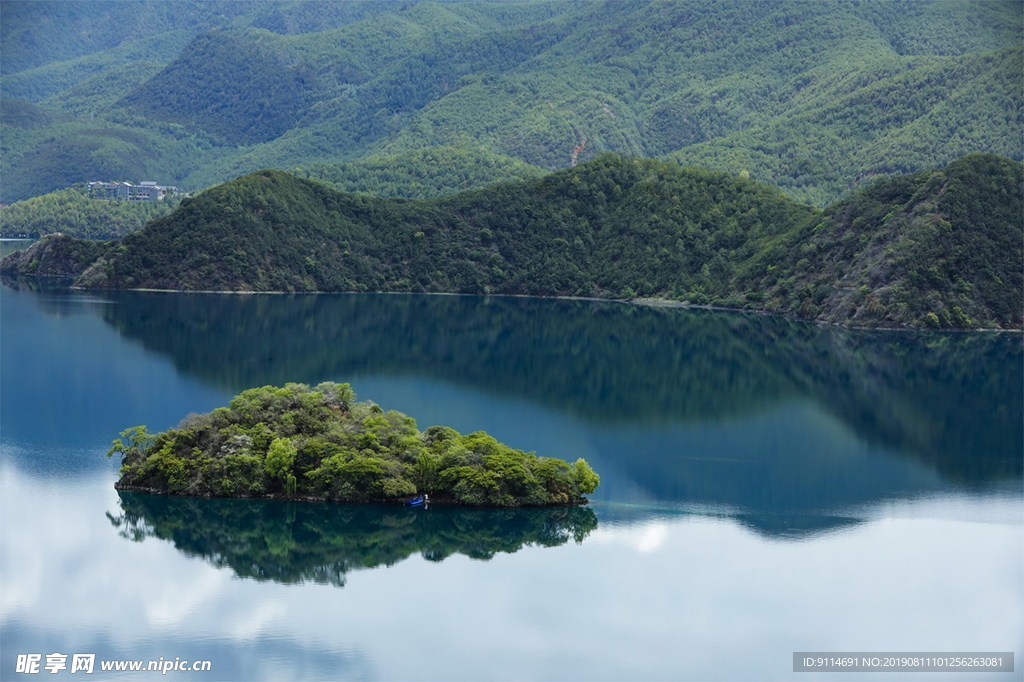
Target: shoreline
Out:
[439,500]
[649,302]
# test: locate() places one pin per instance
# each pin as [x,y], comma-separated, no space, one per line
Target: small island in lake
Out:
[319,444]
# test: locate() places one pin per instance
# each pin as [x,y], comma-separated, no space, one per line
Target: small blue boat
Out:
[417,501]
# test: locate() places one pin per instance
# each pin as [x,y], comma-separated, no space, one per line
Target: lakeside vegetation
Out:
[943,248]
[937,249]
[55,255]
[318,443]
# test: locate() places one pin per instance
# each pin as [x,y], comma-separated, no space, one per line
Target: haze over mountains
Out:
[423,99]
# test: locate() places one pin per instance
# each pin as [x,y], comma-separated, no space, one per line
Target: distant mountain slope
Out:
[925,112]
[940,248]
[73,212]
[34,33]
[229,85]
[811,97]
[423,174]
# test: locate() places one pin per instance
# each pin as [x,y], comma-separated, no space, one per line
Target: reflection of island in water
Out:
[951,400]
[767,420]
[292,542]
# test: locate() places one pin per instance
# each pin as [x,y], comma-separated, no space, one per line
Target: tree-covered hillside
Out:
[73,212]
[609,227]
[940,248]
[811,97]
[55,255]
[422,174]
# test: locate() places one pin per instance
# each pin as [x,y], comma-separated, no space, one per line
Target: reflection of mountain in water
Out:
[772,525]
[951,400]
[17,283]
[310,542]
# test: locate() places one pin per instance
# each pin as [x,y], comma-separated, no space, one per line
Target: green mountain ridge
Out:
[810,97]
[939,248]
[425,174]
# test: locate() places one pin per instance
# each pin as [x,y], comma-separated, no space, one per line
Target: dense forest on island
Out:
[940,248]
[814,98]
[319,443]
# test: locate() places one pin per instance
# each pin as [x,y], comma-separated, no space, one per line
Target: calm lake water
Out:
[767,487]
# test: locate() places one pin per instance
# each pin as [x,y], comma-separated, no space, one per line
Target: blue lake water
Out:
[767,486]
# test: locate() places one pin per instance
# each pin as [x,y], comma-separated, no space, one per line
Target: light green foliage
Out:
[280,459]
[349,475]
[422,173]
[132,444]
[812,96]
[320,443]
[73,212]
[584,478]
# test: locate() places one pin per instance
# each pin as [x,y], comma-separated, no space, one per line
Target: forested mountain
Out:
[939,248]
[610,227]
[814,98]
[944,248]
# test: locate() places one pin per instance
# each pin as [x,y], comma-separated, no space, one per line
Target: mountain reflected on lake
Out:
[297,542]
[766,420]
[953,401]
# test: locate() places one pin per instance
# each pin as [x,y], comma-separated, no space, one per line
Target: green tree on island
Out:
[317,443]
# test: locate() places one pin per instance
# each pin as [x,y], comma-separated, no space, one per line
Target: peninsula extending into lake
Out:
[319,444]
[936,249]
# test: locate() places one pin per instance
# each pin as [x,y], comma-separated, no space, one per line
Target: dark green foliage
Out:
[291,543]
[613,228]
[54,255]
[73,212]
[936,249]
[18,113]
[229,85]
[317,443]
